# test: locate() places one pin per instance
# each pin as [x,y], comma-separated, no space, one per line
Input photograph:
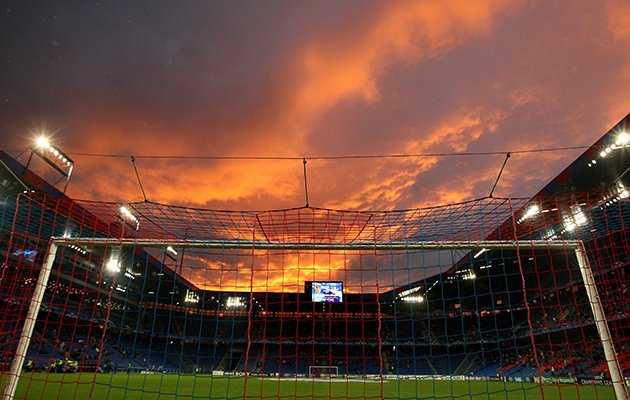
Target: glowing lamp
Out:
[43,142]
[54,157]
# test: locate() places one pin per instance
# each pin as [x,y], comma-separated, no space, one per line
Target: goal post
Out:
[612,360]
[29,324]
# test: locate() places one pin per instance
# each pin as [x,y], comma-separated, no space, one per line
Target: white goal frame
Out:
[575,245]
[311,368]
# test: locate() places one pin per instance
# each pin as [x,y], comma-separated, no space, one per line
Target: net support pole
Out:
[29,324]
[602,326]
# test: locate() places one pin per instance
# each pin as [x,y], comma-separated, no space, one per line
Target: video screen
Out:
[26,254]
[327,292]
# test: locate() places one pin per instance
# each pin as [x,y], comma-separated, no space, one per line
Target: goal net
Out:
[509,298]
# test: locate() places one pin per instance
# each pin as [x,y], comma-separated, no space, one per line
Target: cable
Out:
[133,161]
[507,156]
[369,156]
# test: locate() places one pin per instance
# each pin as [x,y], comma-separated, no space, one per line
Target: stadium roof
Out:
[605,163]
[16,178]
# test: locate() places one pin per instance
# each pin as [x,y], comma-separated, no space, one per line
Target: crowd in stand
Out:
[495,340]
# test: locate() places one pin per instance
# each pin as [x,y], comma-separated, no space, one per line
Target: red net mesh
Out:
[509,297]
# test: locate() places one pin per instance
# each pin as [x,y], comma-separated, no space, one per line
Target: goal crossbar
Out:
[309,245]
[329,368]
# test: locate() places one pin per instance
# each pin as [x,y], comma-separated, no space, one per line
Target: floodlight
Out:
[127,216]
[126,213]
[580,218]
[480,252]
[54,157]
[43,142]
[235,302]
[532,211]
[113,265]
[191,297]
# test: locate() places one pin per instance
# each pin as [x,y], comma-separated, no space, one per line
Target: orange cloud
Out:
[386,181]
[275,271]
[323,73]
[405,32]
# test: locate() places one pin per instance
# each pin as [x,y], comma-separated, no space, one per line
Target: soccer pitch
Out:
[166,386]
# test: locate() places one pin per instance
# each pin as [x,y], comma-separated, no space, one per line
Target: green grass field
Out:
[163,387]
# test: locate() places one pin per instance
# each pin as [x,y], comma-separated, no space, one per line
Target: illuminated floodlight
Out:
[54,157]
[129,217]
[77,249]
[580,218]
[235,302]
[113,265]
[408,292]
[471,275]
[480,252]
[191,297]
[414,299]
[171,253]
[126,213]
[43,142]
[532,211]
[466,274]
[623,138]
[603,154]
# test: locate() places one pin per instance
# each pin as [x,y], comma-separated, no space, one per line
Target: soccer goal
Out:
[323,371]
[520,297]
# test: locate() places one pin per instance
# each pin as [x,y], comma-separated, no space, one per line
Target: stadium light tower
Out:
[54,157]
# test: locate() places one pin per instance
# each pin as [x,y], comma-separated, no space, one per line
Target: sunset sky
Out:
[286,80]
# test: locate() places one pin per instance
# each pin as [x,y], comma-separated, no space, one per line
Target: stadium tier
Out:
[492,298]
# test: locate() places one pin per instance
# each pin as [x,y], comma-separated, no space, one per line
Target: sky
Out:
[234,94]
[220,102]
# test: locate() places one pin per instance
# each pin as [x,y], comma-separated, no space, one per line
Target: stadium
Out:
[491,298]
